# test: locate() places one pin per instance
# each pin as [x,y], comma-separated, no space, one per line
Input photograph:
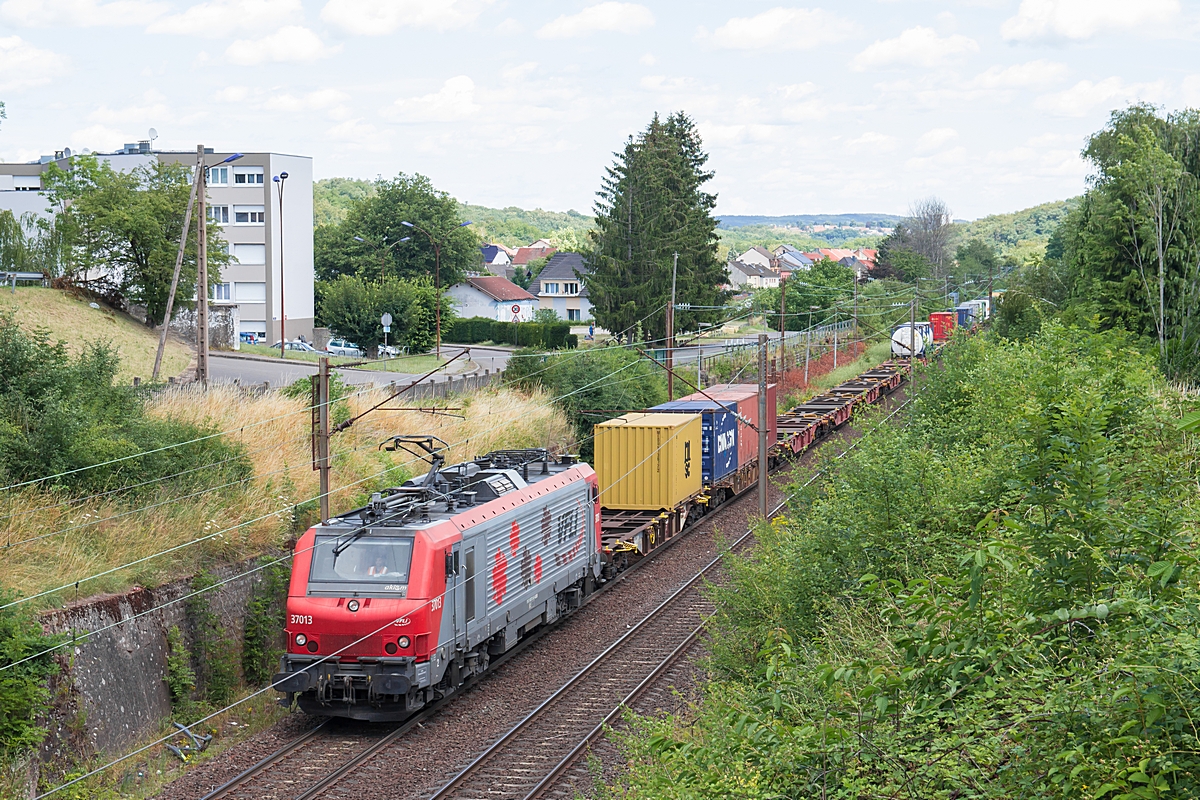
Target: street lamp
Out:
[437,275]
[808,343]
[201,267]
[386,247]
[279,181]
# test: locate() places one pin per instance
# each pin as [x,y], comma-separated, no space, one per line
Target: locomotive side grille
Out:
[332,643]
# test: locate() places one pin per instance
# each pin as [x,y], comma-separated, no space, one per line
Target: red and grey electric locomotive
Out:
[397,604]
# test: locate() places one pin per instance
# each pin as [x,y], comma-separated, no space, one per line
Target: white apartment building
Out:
[272,254]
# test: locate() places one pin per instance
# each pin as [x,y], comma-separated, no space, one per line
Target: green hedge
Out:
[548,336]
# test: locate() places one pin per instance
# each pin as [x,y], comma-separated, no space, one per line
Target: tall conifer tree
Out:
[651,205]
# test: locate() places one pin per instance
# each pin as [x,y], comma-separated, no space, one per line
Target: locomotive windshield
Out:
[363,566]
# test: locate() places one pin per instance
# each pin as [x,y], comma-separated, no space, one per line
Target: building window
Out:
[249,215]
[250,253]
[218,214]
[550,288]
[218,176]
[573,315]
[247,176]
[570,288]
[223,291]
[251,292]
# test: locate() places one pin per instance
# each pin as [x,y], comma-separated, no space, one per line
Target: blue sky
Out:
[861,105]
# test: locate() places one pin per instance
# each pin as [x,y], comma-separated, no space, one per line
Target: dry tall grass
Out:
[259,514]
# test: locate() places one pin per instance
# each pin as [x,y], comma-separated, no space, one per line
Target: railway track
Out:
[531,759]
[531,756]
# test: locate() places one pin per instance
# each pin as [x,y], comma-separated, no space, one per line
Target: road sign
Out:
[386,320]
[387,328]
[516,309]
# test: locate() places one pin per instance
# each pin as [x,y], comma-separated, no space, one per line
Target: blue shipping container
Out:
[718,435]
[966,315]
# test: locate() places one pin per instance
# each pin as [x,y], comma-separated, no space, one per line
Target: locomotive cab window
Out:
[368,565]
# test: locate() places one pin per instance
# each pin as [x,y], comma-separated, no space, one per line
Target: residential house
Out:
[559,286]
[756,255]
[789,262]
[495,255]
[539,249]
[492,297]
[751,276]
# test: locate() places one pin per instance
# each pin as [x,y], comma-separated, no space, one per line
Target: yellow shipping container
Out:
[648,461]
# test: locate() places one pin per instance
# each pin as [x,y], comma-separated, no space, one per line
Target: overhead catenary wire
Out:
[162,740]
[223,531]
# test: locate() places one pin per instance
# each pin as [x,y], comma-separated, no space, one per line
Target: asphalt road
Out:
[248,372]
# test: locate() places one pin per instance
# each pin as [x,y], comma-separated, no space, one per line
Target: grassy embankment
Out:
[71,319]
[255,515]
[996,600]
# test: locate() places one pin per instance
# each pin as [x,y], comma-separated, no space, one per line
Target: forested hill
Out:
[1020,234]
[806,220]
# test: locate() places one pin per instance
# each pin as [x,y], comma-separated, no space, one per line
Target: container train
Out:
[401,602]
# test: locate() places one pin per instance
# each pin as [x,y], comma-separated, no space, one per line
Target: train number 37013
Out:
[301,619]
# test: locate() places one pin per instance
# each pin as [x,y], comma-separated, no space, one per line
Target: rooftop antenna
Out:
[153,136]
[66,152]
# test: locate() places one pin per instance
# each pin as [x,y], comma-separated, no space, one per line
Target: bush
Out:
[545,336]
[998,600]
[24,692]
[606,378]
[64,415]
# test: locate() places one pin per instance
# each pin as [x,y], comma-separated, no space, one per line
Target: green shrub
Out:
[541,335]
[64,415]
[214,657]
[24,691]
[264,623]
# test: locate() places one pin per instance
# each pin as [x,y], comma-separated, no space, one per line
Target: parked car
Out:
[297,345]
[341,347]
[248,337]
[390,351]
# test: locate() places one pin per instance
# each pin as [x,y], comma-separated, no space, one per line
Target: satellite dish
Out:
[153,136]
[66,152]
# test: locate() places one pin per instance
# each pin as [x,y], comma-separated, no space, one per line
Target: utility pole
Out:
[808,344]
[320,408]
[671,332]
[912,336]
[835,332]
[202,273]
[187,224]
[857,276]
[763,425]
[782,308]
[279,180]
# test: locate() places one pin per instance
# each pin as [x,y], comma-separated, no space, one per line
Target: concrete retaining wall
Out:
[112,692]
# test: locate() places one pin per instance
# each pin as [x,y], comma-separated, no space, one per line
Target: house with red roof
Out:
[539,249]
[492,297]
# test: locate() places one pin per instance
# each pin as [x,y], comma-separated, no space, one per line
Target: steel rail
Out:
[375,747]
[251,772]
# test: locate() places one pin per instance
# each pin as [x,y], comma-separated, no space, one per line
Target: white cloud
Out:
[610,16]
[936,139]
[519,72]
[1082,19]
[293,43]
[78,13]
[1086,97]
[454,101]
[872,140]
[915,47]
[233,94]
[213,18]
[782,28]
[1018,76]
[1190,89]
[648,60]
[381,17]
[317,100]
[22,65]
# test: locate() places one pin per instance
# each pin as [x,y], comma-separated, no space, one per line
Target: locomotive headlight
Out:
[404,642]
[301,639]
[352,605]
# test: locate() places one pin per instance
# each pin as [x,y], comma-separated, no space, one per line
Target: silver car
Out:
[341,347]
[303,347]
